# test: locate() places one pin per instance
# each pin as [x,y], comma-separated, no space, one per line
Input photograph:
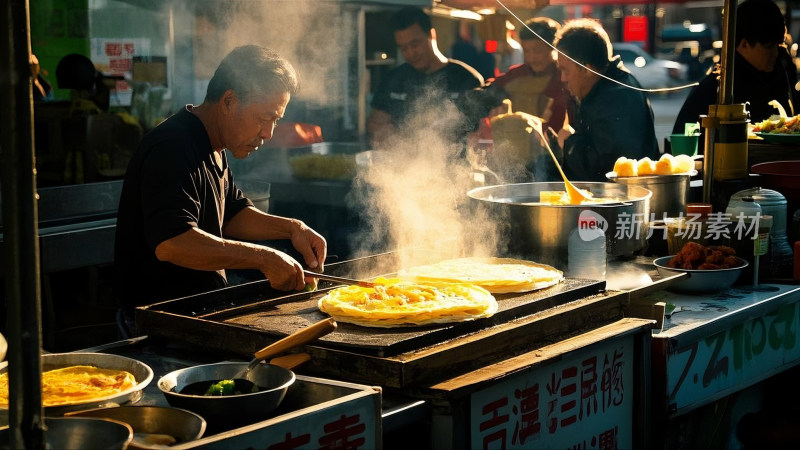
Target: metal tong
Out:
[341,280]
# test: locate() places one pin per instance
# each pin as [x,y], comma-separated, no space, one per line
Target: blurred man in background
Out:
[763,69]
[422,84]
[608,118]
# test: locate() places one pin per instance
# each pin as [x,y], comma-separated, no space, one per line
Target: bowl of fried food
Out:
[710,269]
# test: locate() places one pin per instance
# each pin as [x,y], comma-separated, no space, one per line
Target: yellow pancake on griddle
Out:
[496,275]
[394,302]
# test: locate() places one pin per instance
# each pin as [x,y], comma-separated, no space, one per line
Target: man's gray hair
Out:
[252,71]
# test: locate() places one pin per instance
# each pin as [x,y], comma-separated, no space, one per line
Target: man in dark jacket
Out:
[608,117]
[763,69]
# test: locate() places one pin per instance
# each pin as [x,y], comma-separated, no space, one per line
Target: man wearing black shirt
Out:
[424,83]
[182,220]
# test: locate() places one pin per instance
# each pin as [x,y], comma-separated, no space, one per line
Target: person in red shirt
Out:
[535,86]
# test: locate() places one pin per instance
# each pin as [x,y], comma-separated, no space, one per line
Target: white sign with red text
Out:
[115,57]
[583,401]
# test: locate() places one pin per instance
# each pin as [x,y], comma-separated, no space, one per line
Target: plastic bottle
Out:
[586,258]
[747,242]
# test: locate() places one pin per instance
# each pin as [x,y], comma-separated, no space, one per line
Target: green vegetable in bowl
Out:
[223,387]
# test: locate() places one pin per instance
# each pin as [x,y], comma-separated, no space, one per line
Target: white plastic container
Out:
[586,257]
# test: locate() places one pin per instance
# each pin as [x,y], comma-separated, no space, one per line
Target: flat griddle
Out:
[232,319]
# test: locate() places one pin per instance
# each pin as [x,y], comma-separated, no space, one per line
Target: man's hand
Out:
[283,272]
[311,245]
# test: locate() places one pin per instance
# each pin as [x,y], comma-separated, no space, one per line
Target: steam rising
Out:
[414,195]
[310,34]
[626,276]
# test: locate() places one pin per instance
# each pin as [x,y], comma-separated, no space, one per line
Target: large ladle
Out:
[576,196]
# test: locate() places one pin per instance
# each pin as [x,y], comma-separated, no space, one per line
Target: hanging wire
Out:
[635,88]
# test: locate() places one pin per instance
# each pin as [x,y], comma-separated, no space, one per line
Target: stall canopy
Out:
[537,4]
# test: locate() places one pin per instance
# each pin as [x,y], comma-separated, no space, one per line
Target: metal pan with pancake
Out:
[141,372]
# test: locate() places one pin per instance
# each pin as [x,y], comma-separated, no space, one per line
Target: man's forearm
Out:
[198,250]
[253,225]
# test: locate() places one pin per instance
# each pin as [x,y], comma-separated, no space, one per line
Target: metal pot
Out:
[141,371]
[670,192]
[541,232]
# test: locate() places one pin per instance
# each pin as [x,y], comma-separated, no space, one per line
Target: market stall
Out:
[713,346]
[555,367]
[467,373]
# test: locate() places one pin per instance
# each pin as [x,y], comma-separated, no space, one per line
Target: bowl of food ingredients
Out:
[710,269]
[211,391]
[325,161]
[667,178]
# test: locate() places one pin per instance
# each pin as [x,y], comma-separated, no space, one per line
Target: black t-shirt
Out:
[172,184]
[405,91]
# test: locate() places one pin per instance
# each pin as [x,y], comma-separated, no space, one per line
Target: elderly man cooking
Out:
[182,220]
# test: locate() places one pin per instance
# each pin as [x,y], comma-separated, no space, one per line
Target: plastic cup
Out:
[683,145]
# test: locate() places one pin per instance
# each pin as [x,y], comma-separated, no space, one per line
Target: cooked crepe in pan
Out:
[394,302]
[76,384]
[496,275]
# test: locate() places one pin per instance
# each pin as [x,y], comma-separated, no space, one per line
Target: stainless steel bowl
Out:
[87,433]
[670,192]
[183,425]
[541,232]
[699,281]
[229,409]
[141,371]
